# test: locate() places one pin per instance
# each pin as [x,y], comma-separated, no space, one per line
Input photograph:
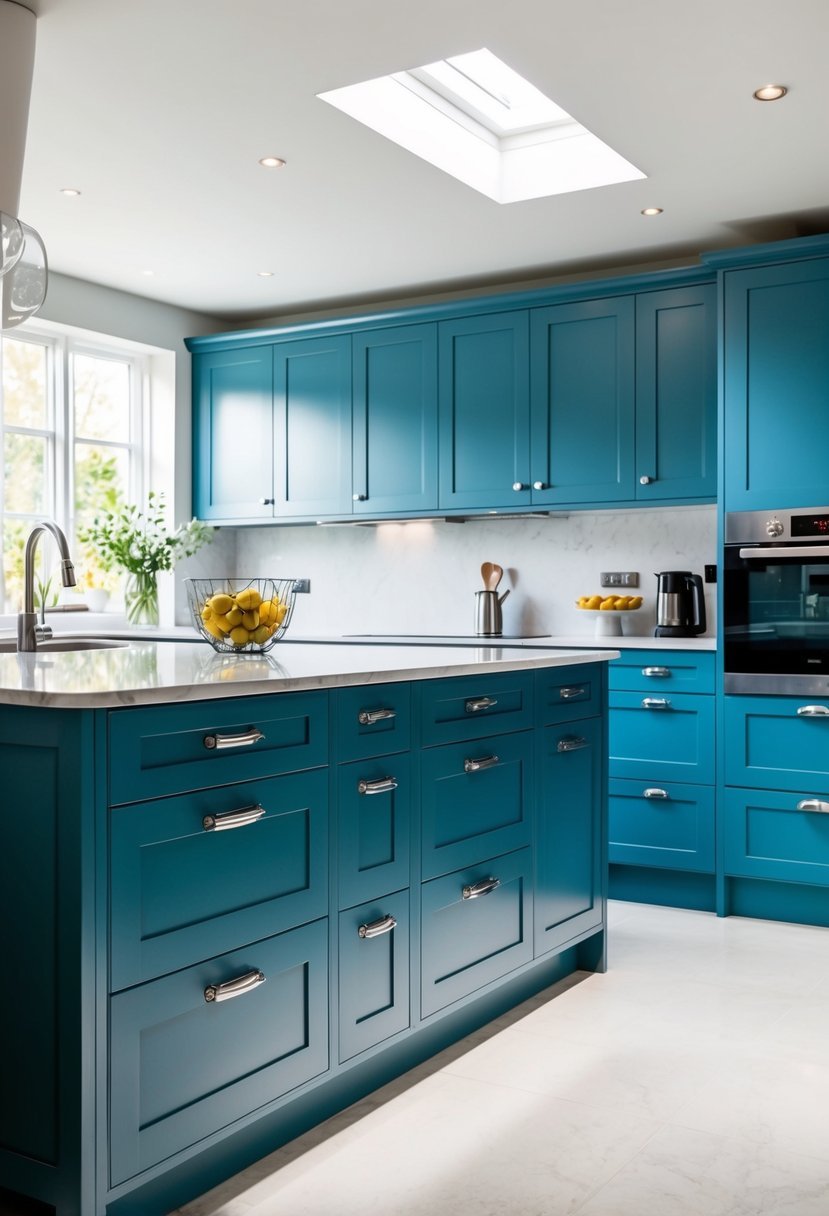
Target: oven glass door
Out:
[777,611]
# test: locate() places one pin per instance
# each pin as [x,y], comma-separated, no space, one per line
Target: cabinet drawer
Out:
[668,825]
[374,973]
[182,1067]
[183,891]
[169,749]
[374,802]
[670,743]
[767,836]
[469,812]
[777,742]
[372,720]
[470,941]
[569,692]
[469,707]
[657,672]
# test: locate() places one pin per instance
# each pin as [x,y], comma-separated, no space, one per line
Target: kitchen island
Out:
[240,892]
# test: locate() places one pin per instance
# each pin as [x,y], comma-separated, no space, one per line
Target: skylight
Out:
[475,118]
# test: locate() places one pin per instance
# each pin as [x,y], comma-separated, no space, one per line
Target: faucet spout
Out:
[28,629]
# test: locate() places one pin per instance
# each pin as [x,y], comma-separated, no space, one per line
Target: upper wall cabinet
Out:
[484,412]
[776,383]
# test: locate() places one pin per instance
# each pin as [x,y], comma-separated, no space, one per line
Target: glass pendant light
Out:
[23,271]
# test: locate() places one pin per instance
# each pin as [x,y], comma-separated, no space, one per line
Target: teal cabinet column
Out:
[676,394]
[582,377]
[233,434]
[776,343]
[395,420]
[483,394]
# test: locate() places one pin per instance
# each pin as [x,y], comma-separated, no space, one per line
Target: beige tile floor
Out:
[690,1080]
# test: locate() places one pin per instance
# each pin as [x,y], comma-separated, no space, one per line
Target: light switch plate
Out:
[619,578]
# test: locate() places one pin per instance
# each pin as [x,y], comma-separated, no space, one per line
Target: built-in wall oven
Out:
[776,602]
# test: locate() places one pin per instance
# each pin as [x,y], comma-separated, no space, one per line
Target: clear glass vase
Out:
[141,598]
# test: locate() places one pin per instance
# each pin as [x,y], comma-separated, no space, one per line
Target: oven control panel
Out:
[759,527]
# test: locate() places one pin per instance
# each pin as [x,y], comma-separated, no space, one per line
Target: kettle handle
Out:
[699,623]
[501,598]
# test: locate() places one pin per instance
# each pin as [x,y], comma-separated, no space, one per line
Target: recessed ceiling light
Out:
[272,162]
[70,191]
[770,92]
[651,210]
[265,274]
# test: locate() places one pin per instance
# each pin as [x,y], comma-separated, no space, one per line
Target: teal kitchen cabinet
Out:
[776,385]
[484,404]
[233,434]
[374,973]
[395,437]
[374,797]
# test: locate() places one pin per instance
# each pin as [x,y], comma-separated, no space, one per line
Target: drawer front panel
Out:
[373,836]
[467,943]
[471,815]
[182,1067]
[181,893]
[675,743]
[569,693]
[372,720]
[660,672]
[675,831]
[374,973]
[470,707]
[170,749]
[766,836]
[769,744]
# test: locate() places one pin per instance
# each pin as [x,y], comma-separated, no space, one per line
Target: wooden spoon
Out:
[492,574]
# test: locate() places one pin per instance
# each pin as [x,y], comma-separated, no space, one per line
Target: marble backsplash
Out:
[421,577]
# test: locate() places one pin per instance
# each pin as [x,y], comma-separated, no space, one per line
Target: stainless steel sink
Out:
[9,645]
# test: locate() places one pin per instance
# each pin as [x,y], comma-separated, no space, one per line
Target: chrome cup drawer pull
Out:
[814,804]
[244,739]
[656,671]
[383,785]
[475,704]
[655,793]
[377,928]
[656,703]
[233,819]
[476,889]
[367,717]
[567,694]
[572,743]
[214,993]
[475,766]
[813,711]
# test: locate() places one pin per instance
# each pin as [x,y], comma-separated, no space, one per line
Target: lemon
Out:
[261,634]
[250,619]
[234,617]
[214,630]
[239,636]
[281,613]
[249,598]
[206,612]
[220,604]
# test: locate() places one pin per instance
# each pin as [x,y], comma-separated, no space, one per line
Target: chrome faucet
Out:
[29,632]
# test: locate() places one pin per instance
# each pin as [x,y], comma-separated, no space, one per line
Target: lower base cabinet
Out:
[668,825]
[266,935]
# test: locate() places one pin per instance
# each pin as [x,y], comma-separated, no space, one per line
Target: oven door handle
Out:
[767,552]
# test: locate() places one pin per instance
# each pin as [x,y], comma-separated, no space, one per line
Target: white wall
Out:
[421,578]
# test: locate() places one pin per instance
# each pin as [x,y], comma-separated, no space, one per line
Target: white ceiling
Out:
[158,110]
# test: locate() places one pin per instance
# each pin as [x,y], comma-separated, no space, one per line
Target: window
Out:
[73,416]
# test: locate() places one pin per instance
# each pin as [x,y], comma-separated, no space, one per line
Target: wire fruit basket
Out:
[241,616]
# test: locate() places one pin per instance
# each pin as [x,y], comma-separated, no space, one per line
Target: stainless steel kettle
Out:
[488,620]
[680,605]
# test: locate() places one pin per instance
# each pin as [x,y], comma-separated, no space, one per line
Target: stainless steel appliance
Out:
[488,619]
[776,601]
[680,605]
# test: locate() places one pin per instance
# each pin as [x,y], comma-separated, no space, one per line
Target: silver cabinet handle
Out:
[813,711]
[266,502]
[813,804]
[772,552]
[661,672]
[645,480]
[656,703]
[367,717]
[519,485]
[359,497]
[476,889]
[214,993]
[475,766]
[539,485]
[655,793]
[567,694]
[475,704]
[233,819]
[381,786]
[244,739]
[573,743]
[377,928]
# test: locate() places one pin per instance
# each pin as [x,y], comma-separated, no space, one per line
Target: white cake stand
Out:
[609,620]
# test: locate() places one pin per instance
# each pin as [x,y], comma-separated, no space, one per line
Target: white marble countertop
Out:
[549,641]
[146,672]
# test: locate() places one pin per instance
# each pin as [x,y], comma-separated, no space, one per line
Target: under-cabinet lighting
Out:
[272,162]
[70,192]
[651,211]
[770,92]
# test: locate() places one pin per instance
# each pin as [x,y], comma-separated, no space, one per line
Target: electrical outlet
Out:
[619,578]
[302,586]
